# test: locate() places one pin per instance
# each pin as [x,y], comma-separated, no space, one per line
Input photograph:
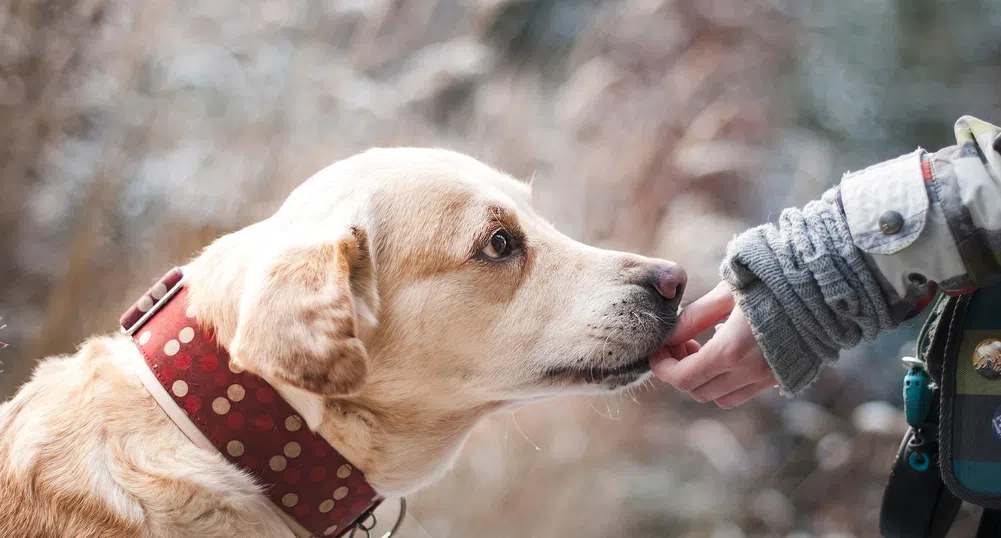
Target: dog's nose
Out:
[669,280]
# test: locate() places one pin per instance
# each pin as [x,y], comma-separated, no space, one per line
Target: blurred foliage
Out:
[132,133]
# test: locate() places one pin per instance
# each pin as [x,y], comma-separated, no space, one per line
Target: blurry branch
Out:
[40,48]
[97,213]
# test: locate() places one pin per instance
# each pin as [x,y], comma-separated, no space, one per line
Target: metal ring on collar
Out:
[364,527]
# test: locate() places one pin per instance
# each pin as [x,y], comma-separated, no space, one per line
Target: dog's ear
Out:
[301,312]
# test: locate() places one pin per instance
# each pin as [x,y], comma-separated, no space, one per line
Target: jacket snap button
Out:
[890,222]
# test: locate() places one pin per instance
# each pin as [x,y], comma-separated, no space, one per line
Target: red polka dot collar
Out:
[219,407]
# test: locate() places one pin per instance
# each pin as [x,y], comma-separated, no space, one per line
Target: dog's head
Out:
[403,293]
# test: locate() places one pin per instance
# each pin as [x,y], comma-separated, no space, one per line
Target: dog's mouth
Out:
[617,376]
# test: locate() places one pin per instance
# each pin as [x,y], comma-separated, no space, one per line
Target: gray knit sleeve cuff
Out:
[806,291]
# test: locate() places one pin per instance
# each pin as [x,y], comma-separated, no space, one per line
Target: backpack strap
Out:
[990,524]
[916,503]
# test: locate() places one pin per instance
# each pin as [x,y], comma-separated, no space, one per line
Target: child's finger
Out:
[694,371]
[741,396]
[722,385]
[677,351]
[702,314]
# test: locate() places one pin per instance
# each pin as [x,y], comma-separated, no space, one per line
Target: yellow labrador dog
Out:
[396,298]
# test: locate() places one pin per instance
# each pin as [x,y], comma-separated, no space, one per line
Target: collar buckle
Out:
[152,301]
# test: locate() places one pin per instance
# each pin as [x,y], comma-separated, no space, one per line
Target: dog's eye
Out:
[500,246]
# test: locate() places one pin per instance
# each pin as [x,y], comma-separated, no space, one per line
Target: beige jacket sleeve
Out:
[930,220]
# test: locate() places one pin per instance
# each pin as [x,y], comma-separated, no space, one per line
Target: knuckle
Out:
[677,384]
[687,383]
[671,378]
[730,360]
[762,369]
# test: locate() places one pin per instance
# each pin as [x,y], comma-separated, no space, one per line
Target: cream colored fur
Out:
[368,302]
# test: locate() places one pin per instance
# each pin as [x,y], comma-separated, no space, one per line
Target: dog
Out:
[395,298]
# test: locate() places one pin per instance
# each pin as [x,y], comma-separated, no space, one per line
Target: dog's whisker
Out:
[658,318]
[522,432]
[648,384]
[608,407]
[590,402]
[506,428]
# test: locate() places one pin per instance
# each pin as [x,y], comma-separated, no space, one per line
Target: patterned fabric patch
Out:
[975,436]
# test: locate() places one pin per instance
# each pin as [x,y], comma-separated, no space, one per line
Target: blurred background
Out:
[134,132]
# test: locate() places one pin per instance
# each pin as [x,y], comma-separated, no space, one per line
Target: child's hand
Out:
[730,369]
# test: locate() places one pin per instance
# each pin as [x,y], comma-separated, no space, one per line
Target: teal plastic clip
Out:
[919,461]
[917,392]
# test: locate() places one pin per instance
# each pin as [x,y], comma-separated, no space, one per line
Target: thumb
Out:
[702,314]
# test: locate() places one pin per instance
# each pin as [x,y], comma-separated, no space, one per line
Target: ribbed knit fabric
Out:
[806,290]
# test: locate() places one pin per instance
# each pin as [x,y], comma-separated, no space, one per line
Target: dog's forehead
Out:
[448,174]
[426,208]
[402,185]
[414,186]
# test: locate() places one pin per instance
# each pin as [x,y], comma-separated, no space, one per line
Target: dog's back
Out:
[51,473]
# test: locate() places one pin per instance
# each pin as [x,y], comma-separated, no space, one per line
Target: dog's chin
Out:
[599,378]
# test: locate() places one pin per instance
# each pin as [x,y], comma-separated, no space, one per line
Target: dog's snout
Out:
[669,280]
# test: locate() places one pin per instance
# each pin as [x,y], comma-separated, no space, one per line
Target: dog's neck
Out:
[397,439]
